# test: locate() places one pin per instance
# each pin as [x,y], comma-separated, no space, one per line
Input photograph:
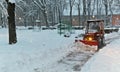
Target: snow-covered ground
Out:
[108,58]
[47,51]
[35,51]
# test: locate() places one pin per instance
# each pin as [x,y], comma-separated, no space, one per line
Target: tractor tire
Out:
[103,41]
[99,43]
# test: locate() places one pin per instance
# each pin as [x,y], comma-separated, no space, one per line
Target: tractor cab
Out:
[94,33]
[94,26]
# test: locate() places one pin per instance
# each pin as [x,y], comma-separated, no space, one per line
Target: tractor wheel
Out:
[99,43]
[103,41]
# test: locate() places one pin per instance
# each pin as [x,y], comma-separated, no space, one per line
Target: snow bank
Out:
[107,59]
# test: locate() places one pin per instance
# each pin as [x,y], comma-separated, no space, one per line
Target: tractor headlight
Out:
[89,38]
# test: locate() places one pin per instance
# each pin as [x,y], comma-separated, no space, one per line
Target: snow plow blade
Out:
[91,43]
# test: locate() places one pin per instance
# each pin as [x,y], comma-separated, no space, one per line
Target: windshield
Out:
[93,27]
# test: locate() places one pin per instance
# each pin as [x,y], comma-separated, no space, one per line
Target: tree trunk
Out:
[106,13]
[70,16]
[79,15]
[89,8]
[84,12]
[45,18]
[11,23]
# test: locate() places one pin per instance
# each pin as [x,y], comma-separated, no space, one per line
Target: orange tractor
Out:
[94,34]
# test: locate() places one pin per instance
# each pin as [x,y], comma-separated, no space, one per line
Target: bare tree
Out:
[42,4]
[22,12]
[110,8]
[56,8]
[89,8]
[84,11]
[105,2]
[3,13]
[100,6]
[71,3]
[93,8]
[110,4]
[78,3]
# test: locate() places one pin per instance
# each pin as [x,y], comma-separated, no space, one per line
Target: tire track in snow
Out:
[77,58]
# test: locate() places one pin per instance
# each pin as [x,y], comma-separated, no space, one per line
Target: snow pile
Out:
[107,59]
